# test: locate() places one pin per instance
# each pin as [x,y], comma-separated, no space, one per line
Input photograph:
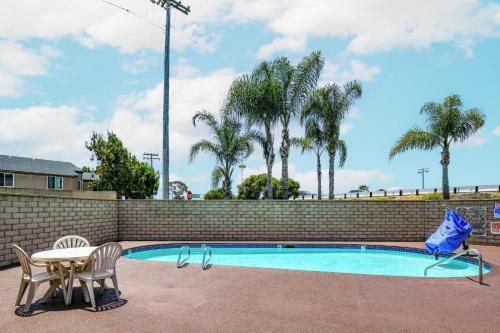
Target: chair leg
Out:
[22,290]
[90,288]
[102,289]
[115,285]
[31,295]
[85,291]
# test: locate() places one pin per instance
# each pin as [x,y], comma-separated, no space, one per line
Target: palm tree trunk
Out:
[445,161]
[284,151]
[269,161]
[227,188]
[318,171]
[331,176]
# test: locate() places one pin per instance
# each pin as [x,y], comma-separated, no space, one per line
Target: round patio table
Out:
[71,255]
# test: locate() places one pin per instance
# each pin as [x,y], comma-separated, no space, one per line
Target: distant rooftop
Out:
[34,165]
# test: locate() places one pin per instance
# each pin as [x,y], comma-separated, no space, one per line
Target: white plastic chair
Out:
[34,280]
[70,242]
[100,265]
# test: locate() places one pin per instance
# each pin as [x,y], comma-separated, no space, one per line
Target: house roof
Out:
[34,165]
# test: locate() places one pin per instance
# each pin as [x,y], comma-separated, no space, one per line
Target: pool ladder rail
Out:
[464,252]
[205,263]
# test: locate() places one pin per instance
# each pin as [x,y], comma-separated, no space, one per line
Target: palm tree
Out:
[230,146]
[315,141]
[257,97]
[329,106]
[447,123]
[296,85]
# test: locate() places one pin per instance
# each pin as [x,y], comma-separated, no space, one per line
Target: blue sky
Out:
[69,69]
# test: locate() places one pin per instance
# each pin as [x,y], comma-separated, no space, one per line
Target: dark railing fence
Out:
[405,192]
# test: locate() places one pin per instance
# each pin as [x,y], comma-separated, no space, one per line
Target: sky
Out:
[68,68]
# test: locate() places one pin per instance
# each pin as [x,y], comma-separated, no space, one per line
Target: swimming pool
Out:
[340,258]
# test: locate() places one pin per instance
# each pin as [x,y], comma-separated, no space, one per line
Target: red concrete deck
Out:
[157,297]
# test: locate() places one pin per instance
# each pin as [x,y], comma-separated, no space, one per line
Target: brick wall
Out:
[361,220]
[36,222]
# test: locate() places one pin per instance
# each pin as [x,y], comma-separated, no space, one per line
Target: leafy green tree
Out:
[120,171]
[216,194]
[257,97]
[296,85]
[328,106]
[364,188]
[230,146]
[255,187]
[447,123]
[315,141]
[86,169]
[177,188]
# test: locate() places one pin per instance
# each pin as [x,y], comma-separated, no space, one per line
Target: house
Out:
[88,178]
[30,173]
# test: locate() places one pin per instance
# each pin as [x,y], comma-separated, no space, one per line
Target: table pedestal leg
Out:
[70,282]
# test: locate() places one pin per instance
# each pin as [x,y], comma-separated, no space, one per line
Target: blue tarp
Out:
[450,234]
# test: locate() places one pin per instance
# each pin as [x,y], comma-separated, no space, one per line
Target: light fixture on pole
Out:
[242,166]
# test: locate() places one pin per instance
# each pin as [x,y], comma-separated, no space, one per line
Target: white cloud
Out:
[17,63]
[46,132]
[496,131]
[293,43]
[184,70]
[368,26]
[95,22]
[472,142]
[139,64]
[60,132]
[357,70]
[373,26]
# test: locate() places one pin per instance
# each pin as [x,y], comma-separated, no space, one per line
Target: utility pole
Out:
[242,166]
[423,171]
[151,157]
[166,4]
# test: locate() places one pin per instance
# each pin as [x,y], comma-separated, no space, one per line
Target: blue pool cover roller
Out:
[450,234]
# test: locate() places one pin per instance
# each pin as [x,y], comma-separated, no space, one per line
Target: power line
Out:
[151,157]
[154,24]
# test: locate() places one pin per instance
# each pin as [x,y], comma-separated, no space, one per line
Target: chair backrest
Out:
[103,258]
[24,260]
[70,242]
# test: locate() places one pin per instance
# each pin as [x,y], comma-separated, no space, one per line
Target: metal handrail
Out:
[464,252]
[183,263]
[205,263]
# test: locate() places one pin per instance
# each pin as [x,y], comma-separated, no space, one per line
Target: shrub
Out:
[432,196]
[217,194]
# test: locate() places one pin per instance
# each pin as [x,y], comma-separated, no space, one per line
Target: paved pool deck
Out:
[157,297]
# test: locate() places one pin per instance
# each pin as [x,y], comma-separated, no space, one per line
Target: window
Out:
[6,179]
[54,183]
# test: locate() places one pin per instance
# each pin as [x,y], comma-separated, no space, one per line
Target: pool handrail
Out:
[464,252]
[205,263]
[183,263]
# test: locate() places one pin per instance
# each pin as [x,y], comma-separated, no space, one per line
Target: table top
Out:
[64,255]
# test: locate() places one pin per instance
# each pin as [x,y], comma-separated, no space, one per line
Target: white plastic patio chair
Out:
[35,280]
[100,265]
[70,242]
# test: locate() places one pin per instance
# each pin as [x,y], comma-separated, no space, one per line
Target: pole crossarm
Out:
[174,4]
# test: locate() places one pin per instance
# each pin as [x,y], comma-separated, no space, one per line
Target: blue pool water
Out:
[356,259]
